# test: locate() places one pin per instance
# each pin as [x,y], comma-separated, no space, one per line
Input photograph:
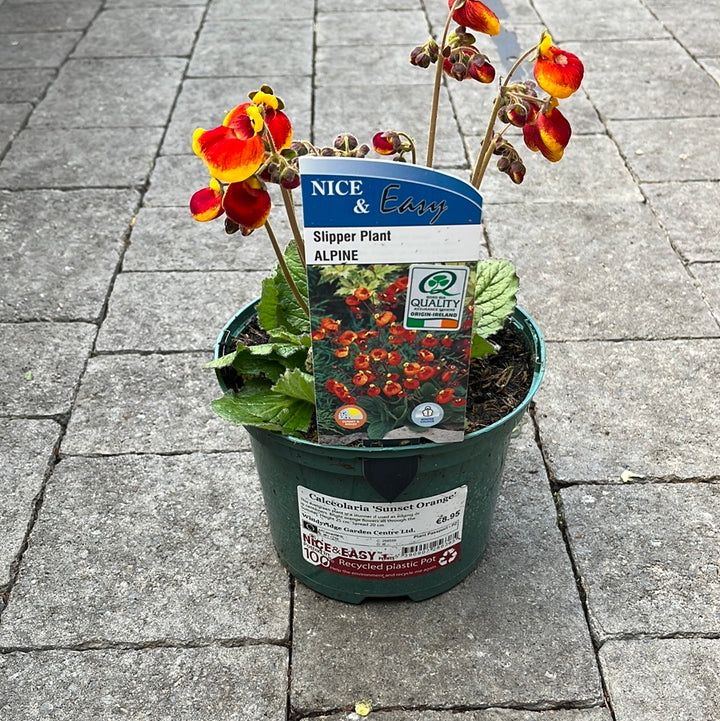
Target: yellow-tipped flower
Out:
[557,71]
[475,15]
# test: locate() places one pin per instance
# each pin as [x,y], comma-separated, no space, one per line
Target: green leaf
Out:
[248,365]
[296,384]
[223,361]
[495,300]
[278,307]
[267,308]
[257,405]
[481,347]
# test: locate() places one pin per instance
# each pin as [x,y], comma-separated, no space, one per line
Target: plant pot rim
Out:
[520,318]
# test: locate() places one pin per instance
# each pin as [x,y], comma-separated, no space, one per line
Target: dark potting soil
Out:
[498,383]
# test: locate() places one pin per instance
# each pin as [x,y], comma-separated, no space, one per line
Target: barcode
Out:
[431,545]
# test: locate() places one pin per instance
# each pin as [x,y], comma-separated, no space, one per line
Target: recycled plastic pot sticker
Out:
[391,254]
[381,541]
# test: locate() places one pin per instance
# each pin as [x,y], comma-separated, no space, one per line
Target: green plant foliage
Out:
[278,307]
[495,299]
[268,406]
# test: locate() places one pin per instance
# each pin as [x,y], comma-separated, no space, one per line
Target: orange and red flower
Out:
[247,203]
[475,15]
[233,153]
[550,133]
[206,204]
[557,71]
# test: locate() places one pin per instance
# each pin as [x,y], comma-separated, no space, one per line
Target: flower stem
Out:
[432,129]
[485,153]
[285,270]
[292,218]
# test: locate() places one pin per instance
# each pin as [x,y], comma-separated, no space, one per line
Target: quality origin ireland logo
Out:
[436,296]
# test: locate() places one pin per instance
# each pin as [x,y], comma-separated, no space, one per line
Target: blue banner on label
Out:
[391,253]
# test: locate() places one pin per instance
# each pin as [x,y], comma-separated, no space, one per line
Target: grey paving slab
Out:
[222,10]
[148,685]
[149,404]
[663,678]
[117,92]
[692,24]
[141,31]
[24,84]
[26,448]
[144,549]
[174,179]
[346,62]
[712,66]
[588,714]
[80,158]
[261,49]
[169,239]
[174,310]
[513,633]
[12,119]
[40,365]
[590,170]
[648,557]
[60,250]
[688,213]
[612,20]
[644,406]
[616,70]
[48,16]
[35,50]
[203,103]
[601,271]
[408,28]
[406,110]
[662,149]
[709,276]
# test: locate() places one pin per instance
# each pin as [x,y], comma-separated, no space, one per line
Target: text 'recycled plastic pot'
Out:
[405,520]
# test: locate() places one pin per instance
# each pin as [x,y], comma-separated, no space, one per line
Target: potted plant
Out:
[381,516]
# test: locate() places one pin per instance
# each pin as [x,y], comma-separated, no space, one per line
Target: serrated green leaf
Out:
[257,405]
[248,365]
[278,307]
[223,361]
[296,384]
[495,300]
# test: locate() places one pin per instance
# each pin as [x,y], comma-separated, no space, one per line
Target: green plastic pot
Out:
[339,516]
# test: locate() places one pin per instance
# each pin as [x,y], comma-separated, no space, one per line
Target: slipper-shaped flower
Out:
[233,153]
[206,204]
[247,204]
[557,71]
[549,134]
[475,15]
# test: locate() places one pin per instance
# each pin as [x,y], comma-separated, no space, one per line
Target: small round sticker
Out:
[427,414]
[350,417]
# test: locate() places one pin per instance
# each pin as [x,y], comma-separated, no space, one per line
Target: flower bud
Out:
[517,172]
[290,178]
[345,141]
[419,58]
[480,69]
[384,143]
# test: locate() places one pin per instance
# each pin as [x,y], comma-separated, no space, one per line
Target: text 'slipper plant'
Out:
[254,146]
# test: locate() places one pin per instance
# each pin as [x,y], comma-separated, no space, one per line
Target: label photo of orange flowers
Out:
[377,376]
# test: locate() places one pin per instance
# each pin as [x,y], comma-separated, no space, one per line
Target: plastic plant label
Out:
[391,253]
[381,541]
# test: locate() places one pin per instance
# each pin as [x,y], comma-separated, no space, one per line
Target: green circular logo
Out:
[438,283]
